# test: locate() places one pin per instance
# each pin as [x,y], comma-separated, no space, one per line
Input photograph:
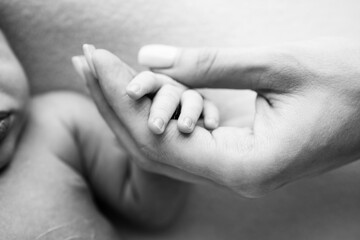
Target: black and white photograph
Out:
[179,120]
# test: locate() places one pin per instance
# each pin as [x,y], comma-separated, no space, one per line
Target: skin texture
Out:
[317,80]
[168,96]
[302,79]
[13,96]
[53,166]
[325,207]
[60,142]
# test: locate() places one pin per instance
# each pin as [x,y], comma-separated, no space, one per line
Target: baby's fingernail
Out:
[133,89]
[159,124]
[88,51]
[188,122]
[157,56]
[211,123]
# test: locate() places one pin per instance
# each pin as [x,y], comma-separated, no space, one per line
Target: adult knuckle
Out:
[284,69]
[205,61]
[252,182]
[146,160]
[253,187]
[145,164]
[254,191]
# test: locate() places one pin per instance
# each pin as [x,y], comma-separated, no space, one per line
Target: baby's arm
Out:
[168,96]
[147,199]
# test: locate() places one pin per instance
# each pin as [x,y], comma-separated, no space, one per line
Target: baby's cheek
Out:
[14,95]
[7,151]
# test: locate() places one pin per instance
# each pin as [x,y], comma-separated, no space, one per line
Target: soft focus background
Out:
[45,34]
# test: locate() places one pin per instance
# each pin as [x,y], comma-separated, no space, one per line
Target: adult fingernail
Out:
[157,56]
[211,123]
[133,89]
[77,63]
[88,50]
[188,122]
[159,124]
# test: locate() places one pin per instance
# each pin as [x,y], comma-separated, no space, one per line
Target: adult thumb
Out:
[215,68]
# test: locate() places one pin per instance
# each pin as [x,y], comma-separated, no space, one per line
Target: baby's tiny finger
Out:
[191,108]
[163,107]
[211,115]
[142,84]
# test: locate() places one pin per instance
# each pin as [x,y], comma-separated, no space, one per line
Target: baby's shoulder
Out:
[63,104]
[59,115]
[55,117]
[54,120]
[65,124]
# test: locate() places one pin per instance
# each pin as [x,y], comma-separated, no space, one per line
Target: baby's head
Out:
[14,94]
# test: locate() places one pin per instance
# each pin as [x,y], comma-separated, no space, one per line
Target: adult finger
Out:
[256,69]
[165,149]
[126,140]
[232,157]
[106,111]
[131,117]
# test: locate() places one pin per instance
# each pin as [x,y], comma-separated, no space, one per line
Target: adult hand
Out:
[307,112]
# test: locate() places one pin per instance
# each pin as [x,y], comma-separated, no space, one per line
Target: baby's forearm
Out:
[152,200]
[147,199]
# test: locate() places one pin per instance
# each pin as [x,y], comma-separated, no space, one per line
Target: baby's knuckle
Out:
[192,94]
[167,89]
[170,93]
[147,74]
[194,110]
[161,111]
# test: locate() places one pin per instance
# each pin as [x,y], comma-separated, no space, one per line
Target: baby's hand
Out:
[169,97]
